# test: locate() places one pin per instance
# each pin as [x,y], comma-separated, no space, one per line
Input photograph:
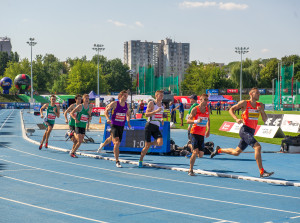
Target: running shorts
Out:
[152,130]
[117,131]
[247,137]
[197,141]
[79,130]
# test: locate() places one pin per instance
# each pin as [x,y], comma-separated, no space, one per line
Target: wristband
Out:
[195,121]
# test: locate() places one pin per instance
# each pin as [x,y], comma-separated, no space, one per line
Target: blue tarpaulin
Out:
[217,98]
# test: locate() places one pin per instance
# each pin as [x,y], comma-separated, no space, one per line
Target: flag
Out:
[137,79]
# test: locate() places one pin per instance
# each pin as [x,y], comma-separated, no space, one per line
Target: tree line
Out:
[74,76]
[79,75]
[255,73]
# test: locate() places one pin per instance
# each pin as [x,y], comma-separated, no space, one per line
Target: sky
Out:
[70,28]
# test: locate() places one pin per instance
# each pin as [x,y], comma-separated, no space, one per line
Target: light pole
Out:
[131,72]
[31,44]
[98,48]
[241,50]
[273,92]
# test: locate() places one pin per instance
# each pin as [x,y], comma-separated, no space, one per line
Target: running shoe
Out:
[67,134]
[140,164]
[41,146]
[215,152]
[100,148]
[191,173]
[118,164]
[73,155]
[266,174]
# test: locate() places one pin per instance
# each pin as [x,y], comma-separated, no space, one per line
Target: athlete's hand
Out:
[66,120]
[42,116]
[162,121]
[199,120]
[239,121]
[108,121]
[76,120]
[129,126]
[157,110]
[261,108]
[207,133]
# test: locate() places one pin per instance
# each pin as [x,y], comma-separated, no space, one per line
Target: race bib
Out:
[51,117]
[120,117]
[158,116]
[203,122]
[84,118]
[253,114]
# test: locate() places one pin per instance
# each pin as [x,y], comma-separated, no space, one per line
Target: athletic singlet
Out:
[200,128]
[156,118]
[72,120]
[250,115]
[50,115]
[119,115]
[83,117]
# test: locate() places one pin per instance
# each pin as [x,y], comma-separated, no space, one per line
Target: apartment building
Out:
[5,45]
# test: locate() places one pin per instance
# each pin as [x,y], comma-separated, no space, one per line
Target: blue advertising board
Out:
[212,91]
[14,105]
[262,91]
[134,139]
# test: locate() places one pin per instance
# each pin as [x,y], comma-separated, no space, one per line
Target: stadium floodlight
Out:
[98,48]
[31,43]
[241,50]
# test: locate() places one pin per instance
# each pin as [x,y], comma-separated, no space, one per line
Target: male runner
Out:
[251,109]
[71,123]
[81,114]
[154,112]
[181,111]
[120,112]
[199,117]
[52,111]
[193,99]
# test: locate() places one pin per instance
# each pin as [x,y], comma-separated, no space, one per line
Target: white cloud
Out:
[187,4]
[25,20]
[265,50]
[232,6]
[117,23]
[139,24]
[221,5]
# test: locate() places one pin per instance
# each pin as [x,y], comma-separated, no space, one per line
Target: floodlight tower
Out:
[98,48]
[241,50]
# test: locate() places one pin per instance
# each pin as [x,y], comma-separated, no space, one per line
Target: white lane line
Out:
[7,119]
[295,217]
[114,200]
[153,190]
[199,171]
[17,170]
[51,210]
[153,177]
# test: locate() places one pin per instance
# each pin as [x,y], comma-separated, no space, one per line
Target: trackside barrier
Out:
[271,181]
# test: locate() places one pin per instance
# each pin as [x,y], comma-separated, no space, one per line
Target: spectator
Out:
[181,111]
[218,107]
[210,107]
[172,112]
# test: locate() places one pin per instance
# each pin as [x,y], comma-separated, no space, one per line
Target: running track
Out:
[49,186]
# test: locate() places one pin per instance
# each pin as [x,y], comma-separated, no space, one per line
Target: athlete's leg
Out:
[116,142]
[49,129]
[193,159]
[235,152]
[146,148]
[79,139]
[257,149]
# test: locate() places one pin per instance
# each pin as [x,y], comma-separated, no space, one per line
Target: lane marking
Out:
[115,200]
[152,177]
[209,173]
[7,118]
[51,210]
[153,190]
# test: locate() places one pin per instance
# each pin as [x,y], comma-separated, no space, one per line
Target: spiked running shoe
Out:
[140,164]
[46,145]
[118,164]
[73,155]
[191,173]
[266,174]
[215,152]
[41,146]
[100,148]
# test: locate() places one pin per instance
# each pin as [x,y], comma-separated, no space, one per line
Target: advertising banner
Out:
[267,131]
[212,91]
[226,126]
[232,91]
[262,91]
[290,123]
[99,110]
[274,119]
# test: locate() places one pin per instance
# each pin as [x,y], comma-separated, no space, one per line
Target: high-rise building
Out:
[168,58]
[5,45]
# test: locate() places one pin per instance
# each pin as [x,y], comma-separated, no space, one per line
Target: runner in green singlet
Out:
[52,111]
[84,115]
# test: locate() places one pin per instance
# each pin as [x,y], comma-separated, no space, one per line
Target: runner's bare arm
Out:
[149,111]
[72,113]
[112,105]
[45,106]
[241,105]
[90,113]
[191,116]
[128,115]
[261,109]
[57,112]
[70,108]
[207,133]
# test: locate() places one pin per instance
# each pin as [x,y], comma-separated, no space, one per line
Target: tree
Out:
[83,78]
[267,73]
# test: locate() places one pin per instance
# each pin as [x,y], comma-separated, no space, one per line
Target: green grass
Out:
[217,120]
[10,98]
